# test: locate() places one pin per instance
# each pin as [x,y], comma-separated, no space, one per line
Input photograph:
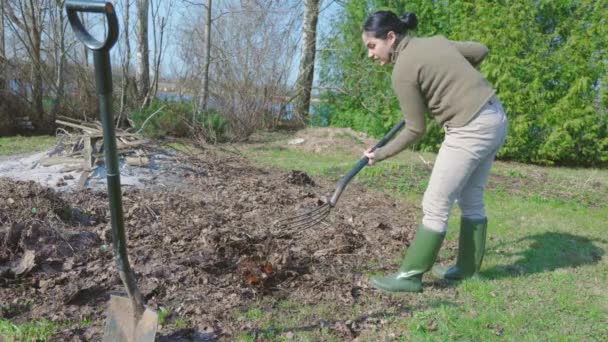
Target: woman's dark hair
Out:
[381,23]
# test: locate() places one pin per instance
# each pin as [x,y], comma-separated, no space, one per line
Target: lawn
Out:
[543,276]
[19,144]
[544,271]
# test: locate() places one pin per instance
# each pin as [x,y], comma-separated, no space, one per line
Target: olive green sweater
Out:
[438,76]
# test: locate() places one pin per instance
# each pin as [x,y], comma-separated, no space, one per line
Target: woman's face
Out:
[379,49]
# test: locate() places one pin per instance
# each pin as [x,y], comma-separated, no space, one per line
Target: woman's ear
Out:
[391,37]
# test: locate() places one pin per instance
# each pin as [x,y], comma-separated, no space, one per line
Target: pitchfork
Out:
[318,214]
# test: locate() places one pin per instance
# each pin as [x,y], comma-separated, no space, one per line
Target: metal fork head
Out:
[305,220]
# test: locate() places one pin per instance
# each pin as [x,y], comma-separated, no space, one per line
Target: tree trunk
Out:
[158,57]
[205,81]
[143,57]
[2,49]
[60,57]
[30,24]
[35,27]
[159,26]
[85,48]
[37,93]
[307,60]
[124,87]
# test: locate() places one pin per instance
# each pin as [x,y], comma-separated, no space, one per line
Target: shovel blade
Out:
[123,326]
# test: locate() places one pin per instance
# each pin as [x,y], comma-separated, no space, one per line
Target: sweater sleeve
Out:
[474,52]
[413,107]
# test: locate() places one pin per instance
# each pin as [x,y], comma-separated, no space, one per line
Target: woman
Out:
[439,76]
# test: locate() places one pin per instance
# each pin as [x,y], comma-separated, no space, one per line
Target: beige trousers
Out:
[463,165]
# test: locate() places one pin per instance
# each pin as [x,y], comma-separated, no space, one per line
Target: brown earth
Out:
[201,252]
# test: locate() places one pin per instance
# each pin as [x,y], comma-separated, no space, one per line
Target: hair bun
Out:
[409,20]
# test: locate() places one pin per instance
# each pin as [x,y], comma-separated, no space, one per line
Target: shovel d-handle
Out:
[101,49]
[361,163]
[75,6]
[103,81]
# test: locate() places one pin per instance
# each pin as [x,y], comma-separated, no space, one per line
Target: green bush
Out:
[547,61]
[212,126]
[175,118]
[163,118]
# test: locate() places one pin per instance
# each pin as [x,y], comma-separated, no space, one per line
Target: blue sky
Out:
[329,9]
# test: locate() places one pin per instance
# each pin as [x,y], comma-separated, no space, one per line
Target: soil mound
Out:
[329,139]
[200,252]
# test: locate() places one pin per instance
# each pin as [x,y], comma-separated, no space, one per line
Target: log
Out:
[59,160]
[71,168]
[84,176]
[88,152]
[137,161]
[78,122]
[94,132]
[122,143]
[84,128]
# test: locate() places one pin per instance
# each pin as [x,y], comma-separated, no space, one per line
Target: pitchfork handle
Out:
[361,164]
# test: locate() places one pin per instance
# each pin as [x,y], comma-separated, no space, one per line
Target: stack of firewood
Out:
[83,150]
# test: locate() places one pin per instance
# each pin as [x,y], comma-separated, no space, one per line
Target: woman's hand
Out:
[370,155]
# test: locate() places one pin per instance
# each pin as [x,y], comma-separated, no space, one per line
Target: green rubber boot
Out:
[471,247]
[419,258]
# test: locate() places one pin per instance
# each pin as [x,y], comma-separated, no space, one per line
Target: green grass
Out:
[19,144]
[544,271]
[162,315]
[179,146]
[37,330]
[31,331]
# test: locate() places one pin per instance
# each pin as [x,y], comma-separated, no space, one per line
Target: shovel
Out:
[127,317]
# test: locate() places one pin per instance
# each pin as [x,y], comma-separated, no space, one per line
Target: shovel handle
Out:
[361,163]
[103,81]
[74,6]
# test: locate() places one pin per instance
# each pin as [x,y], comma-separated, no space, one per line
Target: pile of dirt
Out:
[200,252]
[329,139]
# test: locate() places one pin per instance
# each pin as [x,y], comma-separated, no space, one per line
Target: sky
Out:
[329,9]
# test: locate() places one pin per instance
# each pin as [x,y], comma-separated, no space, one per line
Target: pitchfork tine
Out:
[306,221]
[300,227]
[314,216]
[313,223]
[305,215]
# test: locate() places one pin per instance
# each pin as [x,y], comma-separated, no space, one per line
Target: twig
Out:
[61,235]
[149,117]
[63,132]
[426,162]
[151,212]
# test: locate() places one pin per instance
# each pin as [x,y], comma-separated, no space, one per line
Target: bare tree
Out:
[254,47]
[26,20]
[85,49]
[125,63]
[251,54]
[307,60]
[2,49]
[143,58]
[59,54]
[159,31]
[207,53]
